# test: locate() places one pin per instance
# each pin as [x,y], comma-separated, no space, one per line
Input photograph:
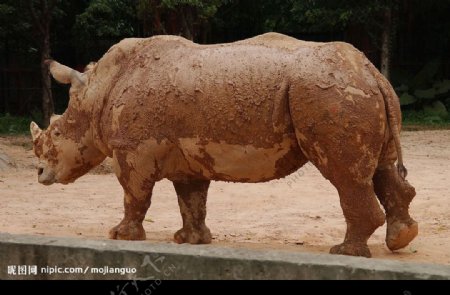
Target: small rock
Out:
[6,162]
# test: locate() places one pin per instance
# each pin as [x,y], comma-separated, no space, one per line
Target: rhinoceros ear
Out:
[35,130]
[64,74]
[54,117]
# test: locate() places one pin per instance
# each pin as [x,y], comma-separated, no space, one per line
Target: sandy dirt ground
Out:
[299,213]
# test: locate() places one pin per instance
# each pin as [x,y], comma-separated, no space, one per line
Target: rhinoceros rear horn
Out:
[35,130]
[64,74]
[54,117]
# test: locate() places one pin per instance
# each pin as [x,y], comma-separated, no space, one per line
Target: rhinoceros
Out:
[249,111]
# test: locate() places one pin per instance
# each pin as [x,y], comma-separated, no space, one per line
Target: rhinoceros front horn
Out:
[35,130]
[64,74]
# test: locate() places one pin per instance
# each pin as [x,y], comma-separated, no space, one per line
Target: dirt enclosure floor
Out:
[299,213]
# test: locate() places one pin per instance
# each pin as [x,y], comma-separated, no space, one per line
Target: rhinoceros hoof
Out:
[353,249]
[400,234]
[128,231]
[192,236]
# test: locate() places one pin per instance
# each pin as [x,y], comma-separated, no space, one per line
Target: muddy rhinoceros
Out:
[249,111]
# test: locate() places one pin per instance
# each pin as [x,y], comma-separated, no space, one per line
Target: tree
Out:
[239,19]
[15,42]
[42,12]
[102,24]
[188,18]
[375,17]
[385,59]
[106,19]
[24,40]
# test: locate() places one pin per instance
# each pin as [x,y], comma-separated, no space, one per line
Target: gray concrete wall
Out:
[171,261]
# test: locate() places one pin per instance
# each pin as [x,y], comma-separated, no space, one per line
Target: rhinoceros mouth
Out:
[45,176]
[46,181]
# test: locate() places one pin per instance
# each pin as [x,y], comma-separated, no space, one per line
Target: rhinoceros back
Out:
[211,101]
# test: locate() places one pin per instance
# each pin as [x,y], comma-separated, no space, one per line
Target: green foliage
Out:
[15,29]
[14,125]
[106,19]
[437,108]
[188,18]
[425,92]
[425,75]
[241,19]
[83,30]
[406,98]
[102,24]
[442,87]
[319,16]
[205,8]
[7,14]
[421,118]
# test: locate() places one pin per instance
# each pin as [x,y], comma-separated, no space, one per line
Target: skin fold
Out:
[249,111]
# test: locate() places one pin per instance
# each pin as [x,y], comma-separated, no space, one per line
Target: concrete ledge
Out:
[171,261]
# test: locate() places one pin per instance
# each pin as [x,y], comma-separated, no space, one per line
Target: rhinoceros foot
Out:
[400,234]
[127,230]
[193,236]
[353,249]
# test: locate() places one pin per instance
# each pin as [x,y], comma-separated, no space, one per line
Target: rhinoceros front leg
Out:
[192,196]
[395,194]
[131,228]
[138,188]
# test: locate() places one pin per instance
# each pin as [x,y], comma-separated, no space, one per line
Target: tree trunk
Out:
[187,23]
[42,24]
[157,25]
[385,43]
[47,98]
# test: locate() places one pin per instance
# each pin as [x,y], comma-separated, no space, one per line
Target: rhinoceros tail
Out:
[390,99]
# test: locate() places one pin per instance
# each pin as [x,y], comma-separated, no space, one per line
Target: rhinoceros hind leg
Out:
[192,196]
[395,194]
[350,168]
[362,214]
[354,249]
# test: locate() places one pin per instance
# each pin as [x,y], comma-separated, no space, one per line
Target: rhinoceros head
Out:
[66,149]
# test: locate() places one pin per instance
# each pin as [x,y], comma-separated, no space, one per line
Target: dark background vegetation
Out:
[409,40]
